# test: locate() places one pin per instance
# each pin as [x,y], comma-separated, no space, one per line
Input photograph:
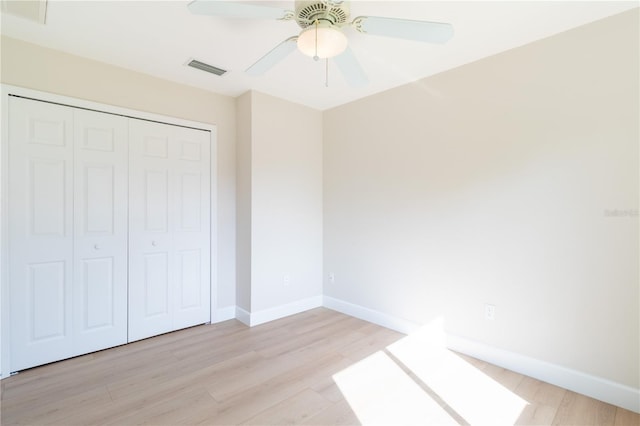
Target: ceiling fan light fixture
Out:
[322,40]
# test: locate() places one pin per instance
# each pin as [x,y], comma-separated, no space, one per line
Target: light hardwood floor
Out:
[319,367]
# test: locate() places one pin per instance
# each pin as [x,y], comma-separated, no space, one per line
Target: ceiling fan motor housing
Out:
[335,12]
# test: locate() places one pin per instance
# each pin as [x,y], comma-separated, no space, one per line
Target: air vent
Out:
[206,67]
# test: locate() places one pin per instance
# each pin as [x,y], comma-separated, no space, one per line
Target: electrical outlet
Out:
[332,277]
[286,280]
[489,312]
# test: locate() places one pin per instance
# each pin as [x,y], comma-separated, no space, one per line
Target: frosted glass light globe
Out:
[330,41]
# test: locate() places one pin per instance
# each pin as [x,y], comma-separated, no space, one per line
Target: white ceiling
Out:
[159,37]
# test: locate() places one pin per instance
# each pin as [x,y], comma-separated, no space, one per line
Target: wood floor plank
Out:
[338,414]
[321,320]
[576,409]
[239,381]
[626,418]
[537,414]
[376,338]
[55,410]
[477,363]
[292,411]
[243,339]
[509,379]
[296,341]
[540,392]
[219,372]
[22,385]
[328,389]
[188,406]
[282,372]
[262,395]
[544,400]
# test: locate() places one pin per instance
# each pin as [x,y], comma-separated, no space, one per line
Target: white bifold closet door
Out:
[169,226]
[101,234]
[67,231]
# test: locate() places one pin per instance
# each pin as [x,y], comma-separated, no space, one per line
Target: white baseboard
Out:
[243,316]
[370,315]
[266,315]
[577,381]
[223,314]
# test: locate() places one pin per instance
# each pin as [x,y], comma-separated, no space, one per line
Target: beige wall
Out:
[492,183]
[243,200]
[34,67]
[286,203]
[279,202]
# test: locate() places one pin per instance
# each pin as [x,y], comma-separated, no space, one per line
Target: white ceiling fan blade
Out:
[351,69]
[276,55]
[232,9]
[431,32]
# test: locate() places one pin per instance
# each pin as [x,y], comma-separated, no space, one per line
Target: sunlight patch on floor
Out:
[379,392]
[417,380]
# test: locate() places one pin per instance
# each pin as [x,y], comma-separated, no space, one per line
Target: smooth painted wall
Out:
[511,181]
[280,202]
[35,67]
[286,185]
[243,200]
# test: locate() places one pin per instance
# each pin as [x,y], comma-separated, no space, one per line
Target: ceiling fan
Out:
[321,35]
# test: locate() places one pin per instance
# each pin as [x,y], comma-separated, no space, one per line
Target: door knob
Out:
[96,247]
[153,243]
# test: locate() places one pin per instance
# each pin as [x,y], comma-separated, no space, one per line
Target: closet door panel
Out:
[191,230]
[156,198]
[40,232]
[156,286]
[189,279]
[46,301]
[99,204]
[101,231]
[47,197]
[169,277]
[150,242]
[98,293]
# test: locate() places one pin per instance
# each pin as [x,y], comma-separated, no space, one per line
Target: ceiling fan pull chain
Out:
[315,58]
[326,81]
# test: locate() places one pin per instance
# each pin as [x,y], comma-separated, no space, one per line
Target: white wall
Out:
[34,67]
[284,163]
[491,183]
